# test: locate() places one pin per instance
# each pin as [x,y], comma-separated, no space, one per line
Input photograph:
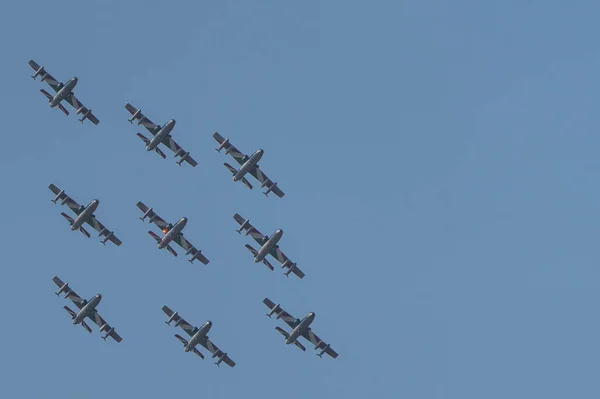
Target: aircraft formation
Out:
[172,233]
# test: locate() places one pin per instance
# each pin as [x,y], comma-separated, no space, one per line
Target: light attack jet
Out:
[248,164]
[300,328]
[199,335]
[63,92]
[268,246]
[86,309]
[172,233]
[160,134]
[84,214]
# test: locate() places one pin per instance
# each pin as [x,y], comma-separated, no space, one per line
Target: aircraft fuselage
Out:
[63,93]
[85,215]
[87,309]
[162,134]
[248,165]
[198,336]
[173,233]
[300,328]
[268,246]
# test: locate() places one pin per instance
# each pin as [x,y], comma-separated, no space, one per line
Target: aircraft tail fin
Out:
[84,231]
[70,312]
[69,218]
[48,95]
[84,325]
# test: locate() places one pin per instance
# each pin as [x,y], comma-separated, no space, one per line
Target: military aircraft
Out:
[198,336]
[268,246]
[300,328]
[248,164]
[172,232]
[161,134]
[64,91]
[86,309]
[85,214]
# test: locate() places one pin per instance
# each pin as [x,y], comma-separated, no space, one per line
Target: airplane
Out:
[248,164]
[198,336]
[172,233]
[300,328]
[64,91]
[85,214]
[161,134]
[86,309]
[268,246]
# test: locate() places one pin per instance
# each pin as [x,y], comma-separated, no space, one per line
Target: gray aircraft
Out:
[86,309]
[199,335]
[161,134]
[172,233]
[64,92]
[248,164]
[268,246]
[85,214]
[300,328]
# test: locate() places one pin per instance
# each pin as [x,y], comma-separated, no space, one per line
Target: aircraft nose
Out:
[280,232]
[99,296]
[260,151]
[75,79]
[97,201]
[173,122]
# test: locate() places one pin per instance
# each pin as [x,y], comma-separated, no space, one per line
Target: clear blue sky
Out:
[440,161]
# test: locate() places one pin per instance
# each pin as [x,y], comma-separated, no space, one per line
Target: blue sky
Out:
[440,165]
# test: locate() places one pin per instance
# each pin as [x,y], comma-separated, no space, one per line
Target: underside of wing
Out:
[319,343]
[178,320]
[230,148]
[217,353]
[44,76]
[152,216]
[179,152]
[142,119]
[65,199]
[265,182]
[280,313]
[103,231]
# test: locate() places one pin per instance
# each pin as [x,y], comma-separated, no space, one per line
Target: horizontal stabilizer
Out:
[144,139]
[171,250]
[299,345]
[69,218]
[251,249]
[153,234]
[84,231]
[247,183]
[73,314]
[282,332]
[231,168]
[45,93]
[183,340]
[63,109]
[159,152]
[197,352]
[267,264]
[84,325]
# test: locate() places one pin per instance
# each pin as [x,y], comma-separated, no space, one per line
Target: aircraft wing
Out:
[179,321]
[154,218]
[65,199]
[96,318]
[212,348]
[103,230]
[190,249]
[46,77]
[266,182]
[81,109]
[230,149]
[70,294]
[142,119]
[318,343]
[286,262]
[282,314]
[176,148]
[250,230]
